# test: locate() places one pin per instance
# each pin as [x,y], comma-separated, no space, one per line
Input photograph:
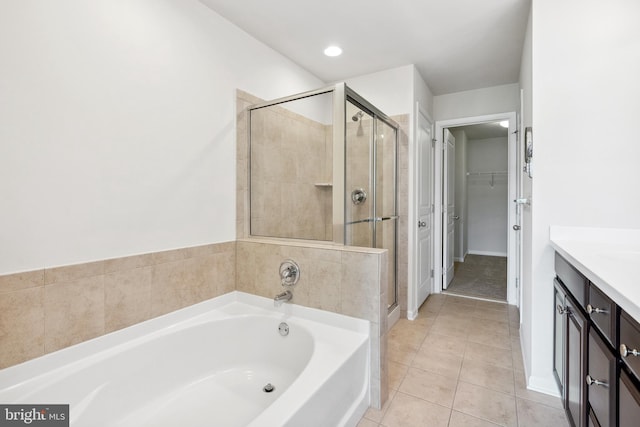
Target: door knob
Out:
[516,227]
[422,224]
[456,217]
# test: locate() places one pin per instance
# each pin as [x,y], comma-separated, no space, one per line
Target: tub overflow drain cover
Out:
[283,328]
[268,388]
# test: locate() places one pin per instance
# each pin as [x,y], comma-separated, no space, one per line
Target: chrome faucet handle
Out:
[289,273]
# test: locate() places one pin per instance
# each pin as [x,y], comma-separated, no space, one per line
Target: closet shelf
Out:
[493,175]
[486,173]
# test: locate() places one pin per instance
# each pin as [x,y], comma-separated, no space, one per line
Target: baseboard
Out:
[393,317]
[487,253]
[458,259]
[546,385]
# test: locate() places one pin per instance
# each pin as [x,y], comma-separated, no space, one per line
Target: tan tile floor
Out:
[460,364]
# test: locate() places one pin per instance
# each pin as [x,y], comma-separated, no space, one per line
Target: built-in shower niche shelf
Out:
[323,184]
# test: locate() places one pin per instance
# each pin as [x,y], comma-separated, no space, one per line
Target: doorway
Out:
[480,219]
[476,175]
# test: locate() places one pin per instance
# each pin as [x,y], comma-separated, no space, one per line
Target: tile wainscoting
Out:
[49,309]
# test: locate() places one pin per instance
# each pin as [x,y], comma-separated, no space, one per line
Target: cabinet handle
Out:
[562,310]
[591,381]
[592,309]
[625,351]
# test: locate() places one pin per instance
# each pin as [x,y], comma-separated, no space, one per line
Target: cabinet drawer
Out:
[600,380]
[630,341]
[602,312]
[629,402]
[571,279]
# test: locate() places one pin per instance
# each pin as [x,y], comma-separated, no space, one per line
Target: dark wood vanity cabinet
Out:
[596,353]
[575,363]
[629,401]
[601,381]
[570,344]
[629,371]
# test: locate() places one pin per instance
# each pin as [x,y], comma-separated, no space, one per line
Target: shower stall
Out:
[323,166]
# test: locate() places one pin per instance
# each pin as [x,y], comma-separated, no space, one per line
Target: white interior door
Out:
[518,207]
[424,206]
[448,204]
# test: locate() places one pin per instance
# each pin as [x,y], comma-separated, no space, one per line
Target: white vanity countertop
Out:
[610,258]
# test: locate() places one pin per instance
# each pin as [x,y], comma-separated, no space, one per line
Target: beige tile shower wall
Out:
[46,310]
[358,175]
[288,156]
[345,280]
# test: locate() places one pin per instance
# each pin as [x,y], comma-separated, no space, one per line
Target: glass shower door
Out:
[386,224]
[359,182]
[370,187]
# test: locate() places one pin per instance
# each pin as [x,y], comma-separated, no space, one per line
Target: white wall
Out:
[586,104]
[391,90]
[394,91]
[421,93]
[117,126]
[491,100]
[487,205]
[461,229]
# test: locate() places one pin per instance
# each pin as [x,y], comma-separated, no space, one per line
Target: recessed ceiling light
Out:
[333,51]
[504,123]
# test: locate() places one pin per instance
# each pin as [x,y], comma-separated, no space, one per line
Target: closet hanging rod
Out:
[486,173]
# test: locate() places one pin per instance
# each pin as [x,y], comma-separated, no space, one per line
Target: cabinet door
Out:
[575,364]
[629,402]
[600,380]
[559,332]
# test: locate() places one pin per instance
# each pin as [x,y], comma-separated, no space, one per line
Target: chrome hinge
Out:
[432,272]
[433,208]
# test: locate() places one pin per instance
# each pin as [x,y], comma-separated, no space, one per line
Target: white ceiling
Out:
[456,45]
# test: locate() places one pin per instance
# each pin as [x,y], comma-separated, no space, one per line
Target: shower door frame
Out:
[341,94]
[361,103]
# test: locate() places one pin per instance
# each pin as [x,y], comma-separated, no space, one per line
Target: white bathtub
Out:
[206,365]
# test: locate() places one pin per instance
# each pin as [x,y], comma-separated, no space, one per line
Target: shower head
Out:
[357,116]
